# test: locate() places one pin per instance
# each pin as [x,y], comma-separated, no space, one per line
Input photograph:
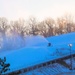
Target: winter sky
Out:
[14,9]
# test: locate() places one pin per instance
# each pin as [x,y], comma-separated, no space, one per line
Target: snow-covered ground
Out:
[63,39]
[33,41]
[37,51]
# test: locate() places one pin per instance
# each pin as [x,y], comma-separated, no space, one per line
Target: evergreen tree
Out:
[3,66]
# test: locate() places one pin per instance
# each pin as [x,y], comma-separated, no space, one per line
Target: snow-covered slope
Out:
[32,41]
[27,57]
[37,51]
[63,39]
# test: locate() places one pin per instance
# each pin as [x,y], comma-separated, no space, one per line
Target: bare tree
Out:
[65,24]
[50,23]
[33,25]
[3,25]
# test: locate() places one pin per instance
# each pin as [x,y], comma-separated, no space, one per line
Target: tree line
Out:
[12,33]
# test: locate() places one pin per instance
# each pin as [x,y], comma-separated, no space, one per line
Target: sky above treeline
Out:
[41,9]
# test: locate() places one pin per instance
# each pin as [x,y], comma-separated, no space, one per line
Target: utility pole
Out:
[70,45]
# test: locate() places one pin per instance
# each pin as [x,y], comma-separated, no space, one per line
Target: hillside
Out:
[37,51]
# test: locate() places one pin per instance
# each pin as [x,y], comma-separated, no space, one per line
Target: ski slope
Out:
[37,51]
[32,41]
[63,39]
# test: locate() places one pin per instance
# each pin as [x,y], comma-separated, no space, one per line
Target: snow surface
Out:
[37,51]
[32,41]
[63,39]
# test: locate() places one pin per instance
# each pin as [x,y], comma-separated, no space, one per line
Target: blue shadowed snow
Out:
[26,57]
[64,39]
[32,41]
[36,51]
